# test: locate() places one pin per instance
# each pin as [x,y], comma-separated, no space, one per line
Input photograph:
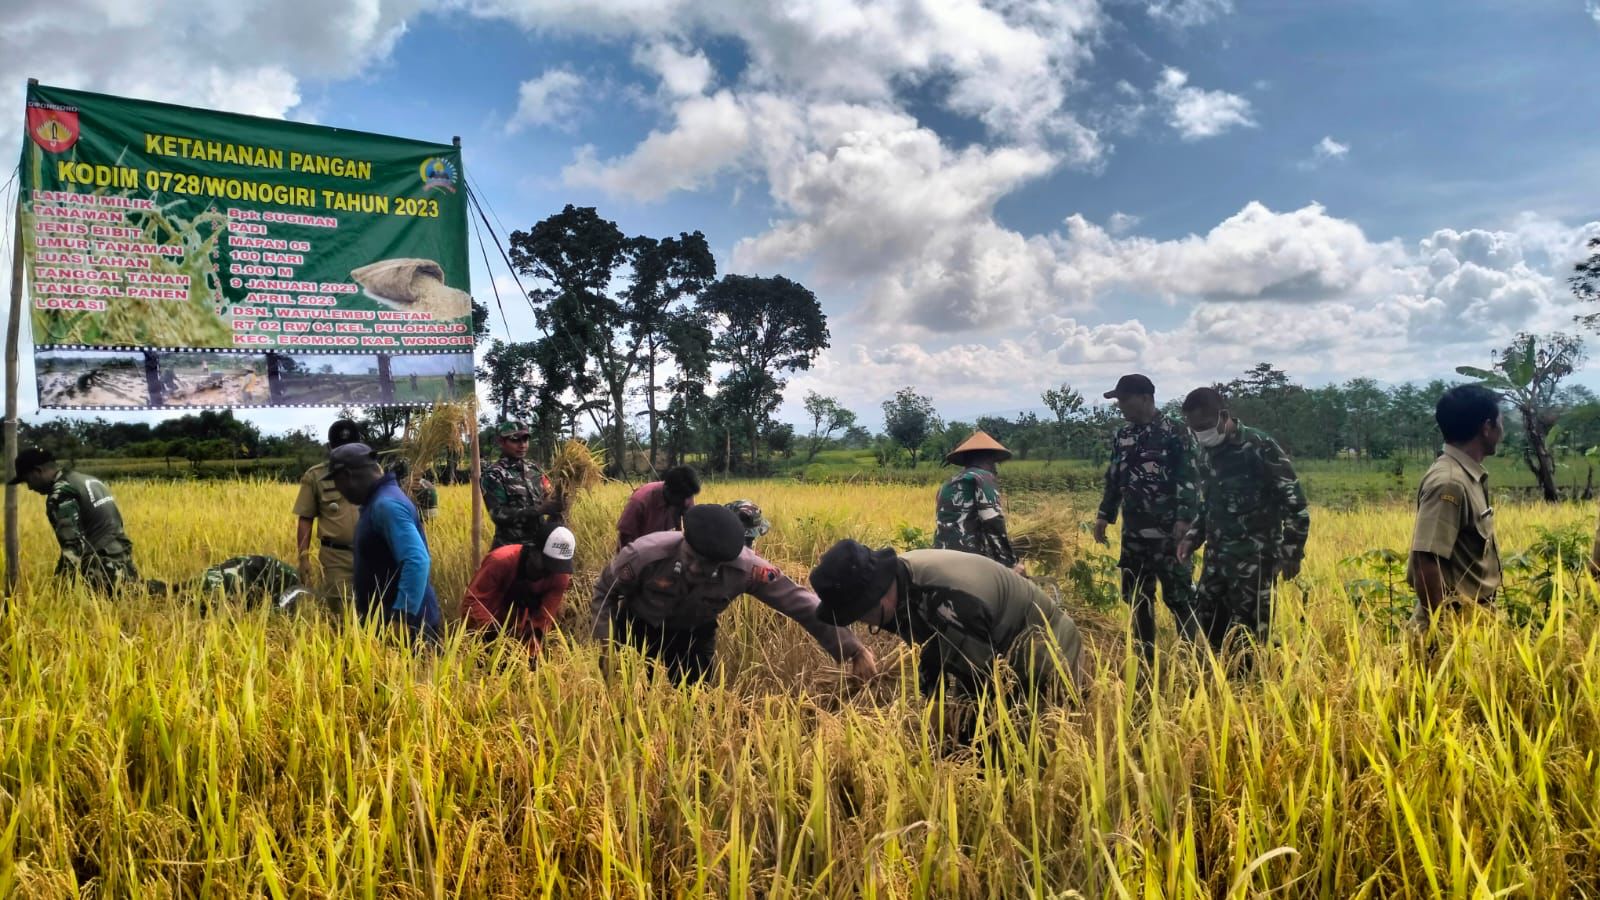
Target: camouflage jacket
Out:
[256,578]
[513,490]
[1151,479]
[87,523]
[1253,499]
[970,518]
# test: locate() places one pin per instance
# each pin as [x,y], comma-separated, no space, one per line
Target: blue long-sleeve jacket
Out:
[392,562]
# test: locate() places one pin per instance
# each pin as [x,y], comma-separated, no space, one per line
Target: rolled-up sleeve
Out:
[779,591]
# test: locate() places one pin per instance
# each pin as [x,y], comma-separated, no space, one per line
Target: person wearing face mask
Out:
[663,593]
[1455,562]
[1254,523]
[1151,481]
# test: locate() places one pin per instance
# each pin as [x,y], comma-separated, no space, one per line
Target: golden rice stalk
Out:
[575,469]
[438,432]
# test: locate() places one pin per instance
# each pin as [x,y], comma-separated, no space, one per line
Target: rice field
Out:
[149,751]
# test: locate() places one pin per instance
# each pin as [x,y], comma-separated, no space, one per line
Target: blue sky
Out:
[990,199]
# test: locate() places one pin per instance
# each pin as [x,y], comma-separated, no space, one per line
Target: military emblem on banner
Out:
[55,128]
[438,172]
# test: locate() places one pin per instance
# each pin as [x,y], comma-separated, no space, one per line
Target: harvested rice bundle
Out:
[574,470]
[1047,537]
[415,285]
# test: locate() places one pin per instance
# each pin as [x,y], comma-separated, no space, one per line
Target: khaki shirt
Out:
[1455,522]
[319,499]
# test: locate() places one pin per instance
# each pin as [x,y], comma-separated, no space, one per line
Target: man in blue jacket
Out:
[391,553]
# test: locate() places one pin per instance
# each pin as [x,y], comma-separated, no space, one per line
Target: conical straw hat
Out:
[980,440]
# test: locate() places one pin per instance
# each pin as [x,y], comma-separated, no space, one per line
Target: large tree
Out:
[1528,374]
[767,326]
[595,326]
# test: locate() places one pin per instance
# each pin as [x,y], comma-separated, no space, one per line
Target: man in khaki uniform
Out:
[320,503]
[1454,560]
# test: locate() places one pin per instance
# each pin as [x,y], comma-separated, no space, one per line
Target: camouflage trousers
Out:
[1234,597]
[1146,567]
[103,574]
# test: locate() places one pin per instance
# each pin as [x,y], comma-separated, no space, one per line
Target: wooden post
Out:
[9,432]
[476,464]
[477,490]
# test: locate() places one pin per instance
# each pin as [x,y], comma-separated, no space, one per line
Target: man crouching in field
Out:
[1455,562]
[84,516]
[965,611]
[663,594]
[392,563]
[519,588]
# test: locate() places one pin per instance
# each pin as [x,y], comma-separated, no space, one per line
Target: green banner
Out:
[149,227]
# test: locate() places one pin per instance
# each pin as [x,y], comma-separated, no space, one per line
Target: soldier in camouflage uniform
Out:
[968,510]
[256,579]
[1254,524]
[84,516]
[516,493]
[1151,480]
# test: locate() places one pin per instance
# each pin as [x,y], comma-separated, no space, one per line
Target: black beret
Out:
[714,532]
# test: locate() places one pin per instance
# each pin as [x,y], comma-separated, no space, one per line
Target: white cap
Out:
[559,546]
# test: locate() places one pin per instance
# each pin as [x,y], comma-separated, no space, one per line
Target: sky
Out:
[989,198]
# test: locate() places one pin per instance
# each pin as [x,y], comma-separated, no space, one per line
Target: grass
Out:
[149,751]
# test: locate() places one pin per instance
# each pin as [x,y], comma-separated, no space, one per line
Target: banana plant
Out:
[1527,374]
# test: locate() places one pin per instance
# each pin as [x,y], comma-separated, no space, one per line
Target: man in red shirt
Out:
[519,588]
[658,506]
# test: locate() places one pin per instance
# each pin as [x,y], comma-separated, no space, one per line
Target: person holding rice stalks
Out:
[520,588]
[516,493]
[658,506]
[663,593]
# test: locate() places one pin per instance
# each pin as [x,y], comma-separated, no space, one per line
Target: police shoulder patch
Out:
[1448,497]
[765,574]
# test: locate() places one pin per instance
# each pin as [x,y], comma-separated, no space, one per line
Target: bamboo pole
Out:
[9,429]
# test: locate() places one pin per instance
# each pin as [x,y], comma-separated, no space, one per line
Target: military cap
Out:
[28,460]
[755,524]
[851,579]
[511,429]
[1131,386]
[714,532]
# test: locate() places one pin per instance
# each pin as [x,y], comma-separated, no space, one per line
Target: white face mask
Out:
[1210,437]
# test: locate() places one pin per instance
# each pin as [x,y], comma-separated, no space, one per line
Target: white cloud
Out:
[1121,223]
[248,56]
[710,134]
[682,74]
[1326,150]
[1593,8]
[1188,13]
[551,99]
[1007,65]
[1197,113]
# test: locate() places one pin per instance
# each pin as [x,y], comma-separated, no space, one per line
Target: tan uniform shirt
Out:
[1455,522]
[319,499]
